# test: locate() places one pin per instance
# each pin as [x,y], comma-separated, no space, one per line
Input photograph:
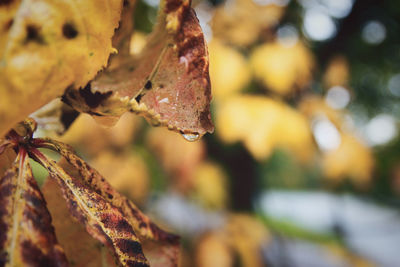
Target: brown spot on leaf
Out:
[69,30]
[33,34]
[138,98]
[129,247]
[148,85]
[93,100]
[111,221]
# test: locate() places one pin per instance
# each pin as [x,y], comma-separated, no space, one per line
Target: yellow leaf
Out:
[241,22]
[282,69]
[246,234]
[213,251]
[229,70]
[210,185]
[49,46]
[264,124]
[352,159]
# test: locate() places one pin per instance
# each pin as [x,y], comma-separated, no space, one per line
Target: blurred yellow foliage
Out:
[351,159]
[282,69]
[127,172]
[213,251]
[264,124]
[314,106]
[337,72]
[178,156]
[229,71]
[210,185]
[90,136]
[242,235]
[246,234]
[241,22]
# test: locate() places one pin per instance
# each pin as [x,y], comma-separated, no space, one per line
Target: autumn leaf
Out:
[47,46]
[283,69]
[140,222]
[26,235]
[168,83]
[257,122]
[102,220]
[88,252]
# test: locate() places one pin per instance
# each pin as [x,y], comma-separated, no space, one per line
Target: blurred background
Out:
[304,166]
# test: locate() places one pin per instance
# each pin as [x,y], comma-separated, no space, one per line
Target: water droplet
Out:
[191,137]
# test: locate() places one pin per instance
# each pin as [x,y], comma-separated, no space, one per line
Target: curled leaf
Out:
[169,243]
[168,83]
[26,235]
[102,220]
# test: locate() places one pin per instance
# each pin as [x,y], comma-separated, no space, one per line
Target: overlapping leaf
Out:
[47,46]
[102,220]
[168,244]
[168,83]
[26,235]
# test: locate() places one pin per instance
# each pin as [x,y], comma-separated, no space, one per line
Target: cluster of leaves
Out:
[167,83]
[28,237]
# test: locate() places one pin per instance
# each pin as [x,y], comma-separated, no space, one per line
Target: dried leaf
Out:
[88,252]
[26,235]
[47,46]
[102,220]
[141,223]
[168,83]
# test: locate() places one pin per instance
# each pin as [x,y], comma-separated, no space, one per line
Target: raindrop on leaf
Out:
[191,137]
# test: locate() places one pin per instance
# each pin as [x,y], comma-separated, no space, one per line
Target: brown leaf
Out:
[102,220]
[26,235]
[168,243]
[88,252]
[168,83]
